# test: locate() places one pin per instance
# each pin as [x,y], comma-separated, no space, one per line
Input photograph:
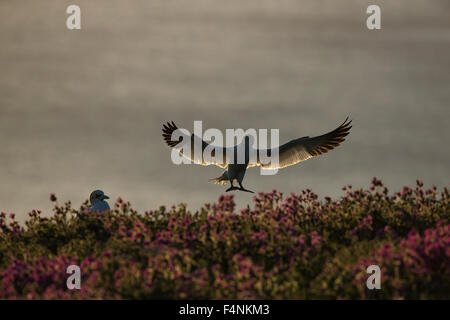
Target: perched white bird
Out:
[98,203]
[290,153]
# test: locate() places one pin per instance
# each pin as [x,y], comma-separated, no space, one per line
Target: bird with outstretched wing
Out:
[290,153]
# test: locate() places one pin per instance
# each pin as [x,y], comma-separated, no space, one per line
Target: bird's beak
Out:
[105,197]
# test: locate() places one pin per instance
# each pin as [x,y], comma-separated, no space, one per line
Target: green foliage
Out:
[295,247]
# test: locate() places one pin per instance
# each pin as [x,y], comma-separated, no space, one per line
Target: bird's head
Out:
[97,195]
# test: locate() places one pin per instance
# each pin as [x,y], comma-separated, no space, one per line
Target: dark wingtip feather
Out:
[332,139]
[168,130]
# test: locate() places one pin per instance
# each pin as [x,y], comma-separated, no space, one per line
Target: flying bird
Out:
[98,203]
[290,153]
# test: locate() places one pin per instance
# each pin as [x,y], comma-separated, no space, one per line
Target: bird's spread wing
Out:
[302,149]
[181,145]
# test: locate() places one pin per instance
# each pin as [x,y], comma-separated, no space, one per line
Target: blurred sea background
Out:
[83,109]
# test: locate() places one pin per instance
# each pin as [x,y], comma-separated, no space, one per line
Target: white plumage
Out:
[290,153]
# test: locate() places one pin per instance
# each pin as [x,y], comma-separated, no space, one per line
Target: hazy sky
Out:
[83,109]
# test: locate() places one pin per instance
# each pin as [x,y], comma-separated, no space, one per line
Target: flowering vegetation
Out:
[294,247]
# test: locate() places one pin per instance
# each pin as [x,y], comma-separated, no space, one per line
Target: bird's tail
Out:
[223,179]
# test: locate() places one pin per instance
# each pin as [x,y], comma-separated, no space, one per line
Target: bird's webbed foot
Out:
[245,190]
[232,188]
